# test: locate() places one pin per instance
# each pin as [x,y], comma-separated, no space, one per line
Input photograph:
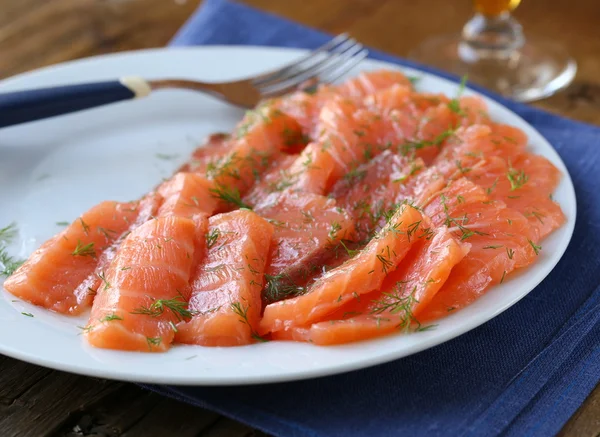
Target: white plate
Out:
[53,170]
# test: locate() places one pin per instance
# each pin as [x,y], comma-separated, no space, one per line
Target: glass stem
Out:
[491,37]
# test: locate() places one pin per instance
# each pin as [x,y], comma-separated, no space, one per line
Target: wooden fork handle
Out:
[24,106]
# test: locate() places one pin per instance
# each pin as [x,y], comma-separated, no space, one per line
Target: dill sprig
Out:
[491,188]
[102,277]
[385,258]
[177,306]
[460,168]
[109,234]
[537,215]
[535,247]
[355,175]
[350,252]
[86,329]
[153,341]
[84,249]
[84,225]
[400,303]
[414,168]
[412,147]
[111,317]
[308,216]
[279,287]
[166,157]
[211,237]
[454,104]
[8,233]
[285,180]
[242,312]
[458,222]
[517,178]
[412,229]
[229,195]
[8,264]
[335,227]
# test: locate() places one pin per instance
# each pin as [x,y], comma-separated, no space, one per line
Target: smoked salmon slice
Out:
[212,149]
[415,124]
[262,133]
[187,194]
[375,189]
[308,232]
[346,140]
[361,274]
[396,306]
[501,240]
[370,82]
[146,209]
[471,144]
[494,157]
[52,273]
[526,185]
[305,108]
[226,286]
[273,182]
[144,291]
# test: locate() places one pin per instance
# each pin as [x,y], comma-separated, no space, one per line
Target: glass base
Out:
[537,70]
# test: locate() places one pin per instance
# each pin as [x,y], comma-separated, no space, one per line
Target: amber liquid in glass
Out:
[492,8]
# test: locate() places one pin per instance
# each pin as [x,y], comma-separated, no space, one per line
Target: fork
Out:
[323,65]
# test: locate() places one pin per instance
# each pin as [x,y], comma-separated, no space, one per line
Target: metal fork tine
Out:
[346,49]
[274,74]
[333,76]
[338,72]
[343,69]
[332,63]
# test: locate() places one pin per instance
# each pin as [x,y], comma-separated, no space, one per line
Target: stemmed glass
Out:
[493,52]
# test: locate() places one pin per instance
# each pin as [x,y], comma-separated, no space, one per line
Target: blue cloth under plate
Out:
[522,374]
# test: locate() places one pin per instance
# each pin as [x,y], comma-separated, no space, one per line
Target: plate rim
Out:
[198,380]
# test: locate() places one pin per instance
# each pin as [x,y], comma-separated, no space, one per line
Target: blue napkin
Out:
[524,373]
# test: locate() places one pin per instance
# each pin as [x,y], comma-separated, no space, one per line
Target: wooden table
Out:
[39,402]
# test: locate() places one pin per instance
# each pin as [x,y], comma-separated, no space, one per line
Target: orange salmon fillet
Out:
[308,229]
[305,108]
[147,208]
[144,291]
[273,182]
[260,135]
[376,189]
[396,306]
[225,287]
[524,184]
[501,240]
[346,140]
[361,274]
[187,194]
[50,276]
[370,82]
[214,147]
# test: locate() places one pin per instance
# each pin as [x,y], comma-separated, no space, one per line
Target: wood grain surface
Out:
[33,33]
